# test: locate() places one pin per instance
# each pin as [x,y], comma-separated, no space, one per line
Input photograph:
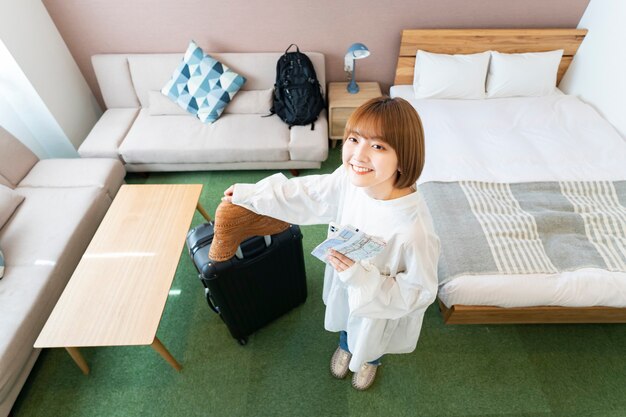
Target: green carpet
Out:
[524,370]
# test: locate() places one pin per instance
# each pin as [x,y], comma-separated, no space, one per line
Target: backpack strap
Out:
[271,113]
[289,47]
[312,125]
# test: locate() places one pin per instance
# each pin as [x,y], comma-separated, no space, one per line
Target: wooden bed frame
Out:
[468,41]
[471,41]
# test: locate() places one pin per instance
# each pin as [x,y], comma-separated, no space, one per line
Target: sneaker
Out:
[339,363]
[363,379]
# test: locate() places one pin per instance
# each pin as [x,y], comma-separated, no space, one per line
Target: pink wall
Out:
[327,26]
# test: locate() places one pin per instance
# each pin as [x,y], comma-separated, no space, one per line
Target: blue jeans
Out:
[343,344]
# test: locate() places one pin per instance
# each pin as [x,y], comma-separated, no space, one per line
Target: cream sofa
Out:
[42,241]
[146,142]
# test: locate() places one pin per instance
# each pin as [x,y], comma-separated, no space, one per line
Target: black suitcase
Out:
[265,280]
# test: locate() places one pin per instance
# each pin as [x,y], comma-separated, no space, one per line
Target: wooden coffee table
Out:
[118,291]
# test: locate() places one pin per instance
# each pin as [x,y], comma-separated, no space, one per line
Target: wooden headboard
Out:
[470,41]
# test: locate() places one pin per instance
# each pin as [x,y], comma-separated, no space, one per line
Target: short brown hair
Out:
[395,122]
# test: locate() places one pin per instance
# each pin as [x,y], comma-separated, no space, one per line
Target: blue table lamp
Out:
[355,51]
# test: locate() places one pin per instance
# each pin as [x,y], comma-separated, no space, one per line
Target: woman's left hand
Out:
[339,261]
[228,194]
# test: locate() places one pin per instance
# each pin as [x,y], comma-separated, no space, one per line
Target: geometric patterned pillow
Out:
[1,264]
[202,85]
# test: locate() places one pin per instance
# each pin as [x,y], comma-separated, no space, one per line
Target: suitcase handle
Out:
[209,299]
[239,252]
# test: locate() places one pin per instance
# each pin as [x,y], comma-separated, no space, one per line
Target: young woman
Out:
[377,304]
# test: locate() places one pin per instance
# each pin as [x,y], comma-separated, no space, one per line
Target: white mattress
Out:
[523,139]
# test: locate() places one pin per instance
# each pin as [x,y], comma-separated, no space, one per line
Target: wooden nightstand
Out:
[341,104]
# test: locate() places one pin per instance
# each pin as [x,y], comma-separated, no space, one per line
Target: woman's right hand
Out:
[228,194]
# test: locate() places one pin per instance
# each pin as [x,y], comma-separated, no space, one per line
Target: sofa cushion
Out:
[202,85]
[107,174]
[116,86]
[162,105]
[151,71]
[15,159]
[183,139]
[47,242]
[5,182]
[104,139]
[52,224]
[9,200]
[307,144]
[27,296]
[245,102]
[251,102]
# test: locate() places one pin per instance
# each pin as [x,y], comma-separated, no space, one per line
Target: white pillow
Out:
[244,102]
[450,76]
[529,74]
[251,102]
[9,200]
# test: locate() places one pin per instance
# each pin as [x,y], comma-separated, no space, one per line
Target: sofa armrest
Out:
[106,136]
[15,159]
[309,145]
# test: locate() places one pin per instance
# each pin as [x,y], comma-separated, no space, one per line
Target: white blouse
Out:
[381,301]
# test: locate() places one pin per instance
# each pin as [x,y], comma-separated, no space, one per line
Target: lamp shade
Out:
[358,51]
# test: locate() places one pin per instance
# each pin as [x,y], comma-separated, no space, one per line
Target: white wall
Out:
[25,115]
[10,120]
[37,48]
[598,72]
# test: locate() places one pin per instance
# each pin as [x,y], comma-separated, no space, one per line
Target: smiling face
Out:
[372,164]
[383,147]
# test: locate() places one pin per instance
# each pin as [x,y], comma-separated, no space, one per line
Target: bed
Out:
[521,149]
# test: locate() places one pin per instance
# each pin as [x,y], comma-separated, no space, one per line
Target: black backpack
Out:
[297,94]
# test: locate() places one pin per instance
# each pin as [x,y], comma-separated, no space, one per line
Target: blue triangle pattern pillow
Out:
[1,264]
[202,85]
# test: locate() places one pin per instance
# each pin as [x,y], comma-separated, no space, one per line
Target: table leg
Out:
[203,212]
[78,358]
[158,346]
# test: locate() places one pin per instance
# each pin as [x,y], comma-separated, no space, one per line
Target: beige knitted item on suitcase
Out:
[234,224]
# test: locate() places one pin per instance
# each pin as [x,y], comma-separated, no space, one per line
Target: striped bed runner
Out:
[604,217]
[528,228]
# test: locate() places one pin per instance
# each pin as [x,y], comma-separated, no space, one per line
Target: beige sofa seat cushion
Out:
[107,174]
[52,224]
[307,144]
[185,139]
[104,139]
[15,159]
[27,296]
